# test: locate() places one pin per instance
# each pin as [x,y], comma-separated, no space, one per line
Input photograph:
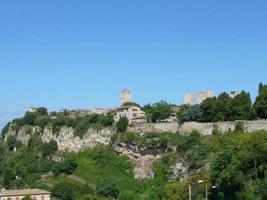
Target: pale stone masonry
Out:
[35,194]
[203,95]
[126,96]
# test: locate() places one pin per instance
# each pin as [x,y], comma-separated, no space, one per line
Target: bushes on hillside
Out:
[66,167]
[107,188]
[158,111]
[122,124]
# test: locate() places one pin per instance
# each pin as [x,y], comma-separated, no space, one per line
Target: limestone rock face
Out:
[66,140]
[179,170]
[23,134]
[143,165]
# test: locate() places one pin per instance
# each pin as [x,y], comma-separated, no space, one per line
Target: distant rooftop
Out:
[24,192]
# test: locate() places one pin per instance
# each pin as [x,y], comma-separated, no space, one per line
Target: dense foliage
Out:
[232,165]
[158,111]
[56,121]
[235,162]
[122,124]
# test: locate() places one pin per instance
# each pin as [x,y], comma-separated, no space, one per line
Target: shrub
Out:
[239,126]
[11,142]
[49,148]
[122,124]
[107,188]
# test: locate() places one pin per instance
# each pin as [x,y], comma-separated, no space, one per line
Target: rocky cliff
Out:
[143,159]
[66,140]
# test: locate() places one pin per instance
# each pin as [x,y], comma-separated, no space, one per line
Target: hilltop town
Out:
[101,153]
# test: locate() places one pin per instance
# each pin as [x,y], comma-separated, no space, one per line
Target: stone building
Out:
[188,99]
[126,96]
[35,194]
[133,114]
[192,99]
[32,109]
[203,95]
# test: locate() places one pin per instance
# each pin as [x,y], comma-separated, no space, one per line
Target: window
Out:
[134,115]
[134,109]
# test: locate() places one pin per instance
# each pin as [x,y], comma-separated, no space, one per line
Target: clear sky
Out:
[81,54]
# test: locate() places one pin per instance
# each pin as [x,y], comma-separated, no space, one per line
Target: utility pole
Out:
[206,192]
[190,193]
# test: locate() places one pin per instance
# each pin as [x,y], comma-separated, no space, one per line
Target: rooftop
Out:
[22,192]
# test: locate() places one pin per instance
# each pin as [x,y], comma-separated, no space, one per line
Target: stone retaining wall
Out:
[203,128]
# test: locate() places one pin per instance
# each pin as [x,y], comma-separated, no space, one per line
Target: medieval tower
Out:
[126,96]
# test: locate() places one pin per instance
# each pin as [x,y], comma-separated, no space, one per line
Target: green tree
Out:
[226,175]
[189,113]
[63,190]
[222,108]
[175,191]
[42,111]
[208,108]
[41,122]
[239,126]
[260,105]
[30,117]
[49,148]
[8,175]
[122,124]
[241,107]
[158,111]
[11,142]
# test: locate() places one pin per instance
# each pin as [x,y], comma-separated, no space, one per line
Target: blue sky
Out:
[81,54]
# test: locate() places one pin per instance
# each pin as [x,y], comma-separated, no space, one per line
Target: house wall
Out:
[34,197]
[130,113]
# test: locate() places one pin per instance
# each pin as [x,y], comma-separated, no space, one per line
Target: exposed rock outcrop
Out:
[143,164]
[68,142]
[179,170]
[65,139]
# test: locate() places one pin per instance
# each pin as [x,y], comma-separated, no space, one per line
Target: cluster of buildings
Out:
[133,112]
[35,194]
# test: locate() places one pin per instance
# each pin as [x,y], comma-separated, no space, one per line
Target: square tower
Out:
[126,96]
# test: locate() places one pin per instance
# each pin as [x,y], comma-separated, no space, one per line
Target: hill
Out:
[84,157]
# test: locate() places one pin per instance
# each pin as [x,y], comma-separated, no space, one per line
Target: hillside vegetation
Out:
[234,162]
[232,165]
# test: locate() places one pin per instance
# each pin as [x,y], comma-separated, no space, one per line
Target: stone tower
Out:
[188,99]
[126,96]
[203,95]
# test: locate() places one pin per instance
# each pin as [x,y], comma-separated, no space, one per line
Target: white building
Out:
[32,109]
[100,111]
[133,114]
[35,194]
